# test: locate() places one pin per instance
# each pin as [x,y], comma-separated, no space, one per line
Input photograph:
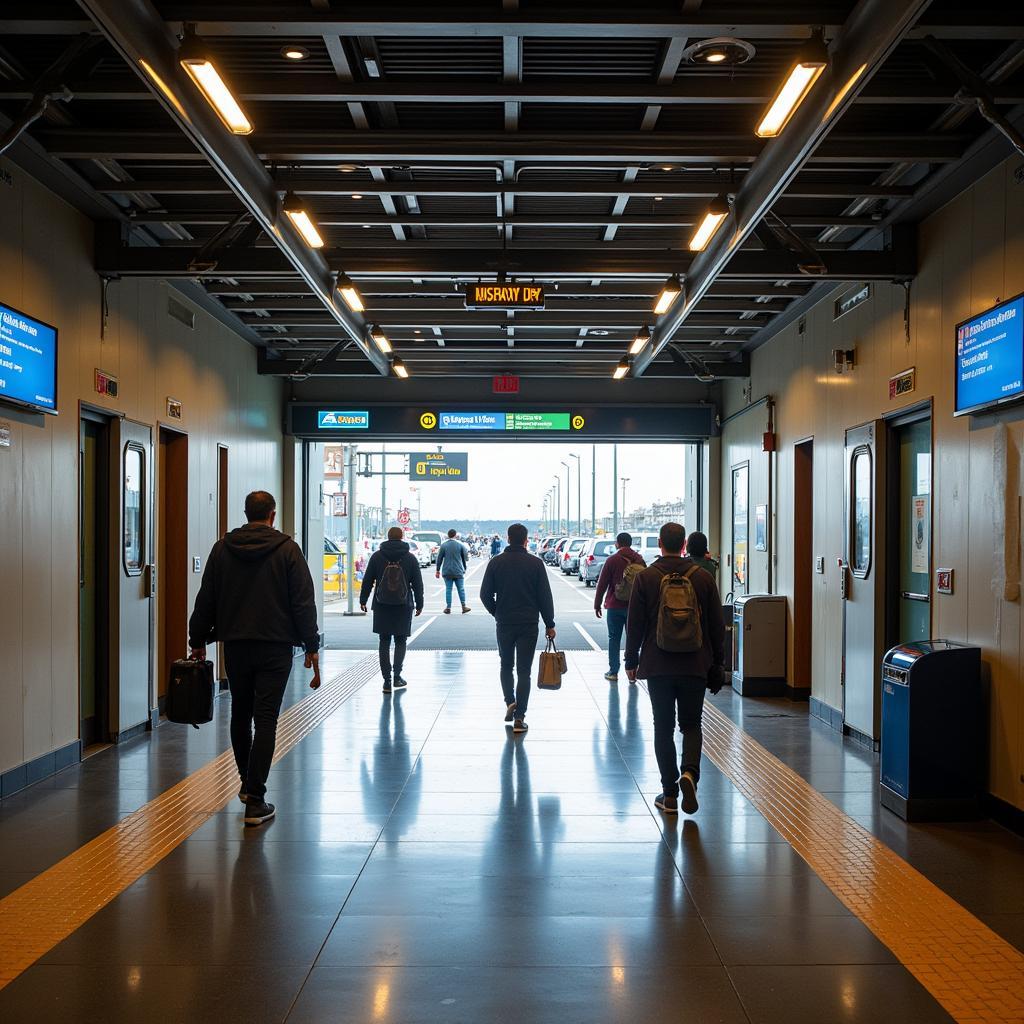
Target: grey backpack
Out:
[393,587]
[679,627]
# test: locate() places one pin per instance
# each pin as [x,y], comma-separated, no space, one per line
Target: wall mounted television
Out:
[28,361]
[989,358]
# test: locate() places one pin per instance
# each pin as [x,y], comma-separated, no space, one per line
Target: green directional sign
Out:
[537,421]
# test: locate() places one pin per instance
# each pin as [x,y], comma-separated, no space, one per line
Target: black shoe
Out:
[400,683]
[520,726]
[688,788]
[510,711]
[668,804]
[387,685]
[258,811]
[448,611]
[242,795]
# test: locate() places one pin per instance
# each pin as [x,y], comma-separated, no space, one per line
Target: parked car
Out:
[592,560]
[571,555]
[545,548]
[432,538]
[421,551]
[554,555]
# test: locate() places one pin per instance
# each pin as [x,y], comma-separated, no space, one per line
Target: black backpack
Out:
[393,587]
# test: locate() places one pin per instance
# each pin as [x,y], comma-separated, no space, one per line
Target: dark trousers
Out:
[675,697]
[258,673]
[384,652]
[516,645]
[616,619]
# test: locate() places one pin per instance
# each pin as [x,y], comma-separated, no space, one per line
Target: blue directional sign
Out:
[343,420]
[472,421]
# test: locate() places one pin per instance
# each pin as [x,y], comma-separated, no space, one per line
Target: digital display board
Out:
[503,421]
[28,361]
[990,358]
[504,296]
[438,466]
[333,419]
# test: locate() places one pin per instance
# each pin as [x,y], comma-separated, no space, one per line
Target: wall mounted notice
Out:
[920,540]
[990,357]
[28,360]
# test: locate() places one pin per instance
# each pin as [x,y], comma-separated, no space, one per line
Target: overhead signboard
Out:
[504,296]
[990,358]
[438,465]
[419,423]
[335,419]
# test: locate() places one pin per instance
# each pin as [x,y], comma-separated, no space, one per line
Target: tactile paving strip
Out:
[46,910]
[976,975]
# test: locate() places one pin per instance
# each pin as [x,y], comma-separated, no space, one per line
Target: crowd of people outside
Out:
[257,599]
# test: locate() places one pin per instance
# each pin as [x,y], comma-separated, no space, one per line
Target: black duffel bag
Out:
[190,693]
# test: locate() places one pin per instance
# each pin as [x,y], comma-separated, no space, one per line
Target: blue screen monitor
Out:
[28,361]
[990,358]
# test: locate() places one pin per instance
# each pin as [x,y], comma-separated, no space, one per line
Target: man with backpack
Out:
[614,586]
[452,562]
[393,575]
[675,639]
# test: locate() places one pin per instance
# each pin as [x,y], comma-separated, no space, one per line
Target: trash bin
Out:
[931,731]
[759,645]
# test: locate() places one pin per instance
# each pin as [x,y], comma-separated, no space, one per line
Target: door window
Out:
[740,528]
[134,515]
[860,512]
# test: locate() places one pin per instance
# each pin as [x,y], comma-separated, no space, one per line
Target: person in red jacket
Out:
[611,578]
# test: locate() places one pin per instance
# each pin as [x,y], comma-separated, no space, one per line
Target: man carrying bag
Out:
[675,639]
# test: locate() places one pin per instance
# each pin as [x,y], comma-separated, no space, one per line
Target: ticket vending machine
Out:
[932,750]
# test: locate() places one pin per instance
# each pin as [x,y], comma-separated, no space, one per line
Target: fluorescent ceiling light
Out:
[716,213]
[400,369]
[204,73]
[299,216]
[621,370]
[350,293]
[640,341]
[804,73]
[669,290]
[380,339]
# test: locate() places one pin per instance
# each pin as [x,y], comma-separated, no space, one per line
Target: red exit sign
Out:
[505,384]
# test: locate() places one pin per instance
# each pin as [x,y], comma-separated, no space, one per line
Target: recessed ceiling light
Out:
[294,52]
[721,51]
[347,168]
[366,225]
[357,195]
[599,333]
[658,199]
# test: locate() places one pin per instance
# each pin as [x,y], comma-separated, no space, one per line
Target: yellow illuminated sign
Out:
[428,421]
[578,422]
[504,296]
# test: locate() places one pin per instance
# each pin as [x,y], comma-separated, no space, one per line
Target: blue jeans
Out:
[460,586]
[616,619]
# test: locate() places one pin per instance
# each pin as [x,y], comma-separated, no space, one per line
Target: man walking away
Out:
[515,590]
[675,639]
[393,575]
[452,562]
[257,598]
[495,546]
[697,549]
[614,586]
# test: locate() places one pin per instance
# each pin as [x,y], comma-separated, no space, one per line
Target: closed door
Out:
[132,507]
[911,525]
[863,578]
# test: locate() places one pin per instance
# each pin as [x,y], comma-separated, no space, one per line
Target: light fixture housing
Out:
[643,336]
[669,291]
[199,66]
[297,213]
[621,370]
[810,62]
[294,52]
[380,339]
[350,293]
[710,223]
[721,51]
[400,368]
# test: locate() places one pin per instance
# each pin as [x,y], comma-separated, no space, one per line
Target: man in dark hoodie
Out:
[614,588]
[393,575]
[257,599]
[515,590]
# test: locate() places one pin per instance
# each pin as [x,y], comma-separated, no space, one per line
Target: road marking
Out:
[423,627]
[586,636]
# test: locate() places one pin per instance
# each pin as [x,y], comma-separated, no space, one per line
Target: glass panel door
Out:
[914,445]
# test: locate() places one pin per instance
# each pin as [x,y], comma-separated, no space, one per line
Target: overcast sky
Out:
[509,481]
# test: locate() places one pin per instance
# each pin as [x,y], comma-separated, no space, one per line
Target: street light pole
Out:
[593,489]
[579,506]
[558,504]
[625,480]
[615,489]
[568,523]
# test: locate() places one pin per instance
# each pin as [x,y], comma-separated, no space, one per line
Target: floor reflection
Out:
[392,758]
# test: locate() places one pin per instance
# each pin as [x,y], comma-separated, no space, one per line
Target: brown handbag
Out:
[551,666]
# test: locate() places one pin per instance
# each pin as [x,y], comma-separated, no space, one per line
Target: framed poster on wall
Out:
[760,527]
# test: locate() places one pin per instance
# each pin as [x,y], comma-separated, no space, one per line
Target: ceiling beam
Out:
[482,147]
[136,31]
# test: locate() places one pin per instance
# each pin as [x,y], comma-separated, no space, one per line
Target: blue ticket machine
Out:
[932,767]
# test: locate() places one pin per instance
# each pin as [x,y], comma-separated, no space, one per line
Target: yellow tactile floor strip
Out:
[46,910]
[977,976]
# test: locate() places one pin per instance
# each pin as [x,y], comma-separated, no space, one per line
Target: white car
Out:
[421,551]
[430,537]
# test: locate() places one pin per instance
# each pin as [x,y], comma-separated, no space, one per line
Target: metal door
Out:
[132,510]
[864,577]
